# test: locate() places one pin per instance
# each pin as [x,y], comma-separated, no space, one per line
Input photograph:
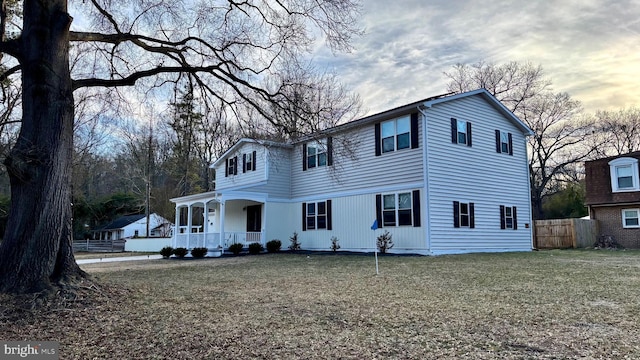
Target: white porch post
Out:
[205,220]
[176,229]
[263,232]
[222,214]
[189,225]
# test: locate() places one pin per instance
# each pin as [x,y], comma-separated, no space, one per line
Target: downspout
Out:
[532,226]
[426,218]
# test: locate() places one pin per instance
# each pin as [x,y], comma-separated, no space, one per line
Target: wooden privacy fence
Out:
[565,233]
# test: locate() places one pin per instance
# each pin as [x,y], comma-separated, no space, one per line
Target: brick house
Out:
[613,197]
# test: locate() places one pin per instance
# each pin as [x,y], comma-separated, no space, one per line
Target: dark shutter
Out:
[329,151]
[414,131]
[235,165]
[498,142]
[454,131]
[379,209]
[226,167]
[255,160]
[378,140]
[503,224]
[416,208]
[244,163]
[329,222]
[515,219]
[304,157]
[468,133]
[456,214]
[472,218]
[304,216]
[510,144]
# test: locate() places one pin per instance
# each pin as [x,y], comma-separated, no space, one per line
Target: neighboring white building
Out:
[134,226]
[447,174]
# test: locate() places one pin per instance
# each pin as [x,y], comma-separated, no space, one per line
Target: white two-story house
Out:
[447,174]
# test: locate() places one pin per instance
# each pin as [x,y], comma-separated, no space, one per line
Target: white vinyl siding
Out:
[476,175]
[366,172]
[242,179]
[354,232]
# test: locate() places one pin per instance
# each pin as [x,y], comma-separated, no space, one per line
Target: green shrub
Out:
[199,252]
[274,246]
[334,244]
[255,248]
[384,242]
[295,244]
[166,252]
[180,252]
[236,248]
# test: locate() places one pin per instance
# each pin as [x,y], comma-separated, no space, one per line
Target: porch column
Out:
[205,220]
[176,229]
[263,232]
[189,225]
[222,214]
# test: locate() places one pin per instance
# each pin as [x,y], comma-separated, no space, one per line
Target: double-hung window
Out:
[396,134]
[316,215]
[504,142]
[630,218]
[463,215]
[398,209]
[624,174]
[460,132]
[231,167]
[508,217]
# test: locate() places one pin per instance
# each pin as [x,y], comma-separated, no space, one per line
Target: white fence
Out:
[146,244]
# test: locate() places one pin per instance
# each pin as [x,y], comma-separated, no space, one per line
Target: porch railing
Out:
[212,240]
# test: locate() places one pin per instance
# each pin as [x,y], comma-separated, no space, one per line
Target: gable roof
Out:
[243,141]
[398,111]
[121,222]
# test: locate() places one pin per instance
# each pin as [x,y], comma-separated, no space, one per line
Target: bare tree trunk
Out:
[36,253]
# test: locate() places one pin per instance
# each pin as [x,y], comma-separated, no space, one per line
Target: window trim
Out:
[395,134]
[316,215]
[457,215]
[624,218]
[455,132]
[624,162]
[326,145]
[414,209]
[500,143]
[504,217]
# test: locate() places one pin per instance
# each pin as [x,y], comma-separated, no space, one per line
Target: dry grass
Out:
[552,304]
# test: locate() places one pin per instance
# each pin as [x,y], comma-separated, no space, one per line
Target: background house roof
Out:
[121,222]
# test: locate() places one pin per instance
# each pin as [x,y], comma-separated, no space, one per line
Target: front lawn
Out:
[547,304]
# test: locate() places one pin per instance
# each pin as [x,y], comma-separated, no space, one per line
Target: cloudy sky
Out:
[588,48]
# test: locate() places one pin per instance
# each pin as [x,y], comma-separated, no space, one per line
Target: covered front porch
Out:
[216,220]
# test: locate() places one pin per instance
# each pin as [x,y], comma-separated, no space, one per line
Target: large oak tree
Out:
[228,47]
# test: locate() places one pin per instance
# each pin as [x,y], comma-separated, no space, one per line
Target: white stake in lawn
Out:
[374,227]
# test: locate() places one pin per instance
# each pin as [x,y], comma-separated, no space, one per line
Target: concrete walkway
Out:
[114,259]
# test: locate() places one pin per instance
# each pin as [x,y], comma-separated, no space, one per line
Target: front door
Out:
[254,218]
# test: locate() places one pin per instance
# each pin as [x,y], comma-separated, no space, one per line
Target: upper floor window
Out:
[630,218]
[504,142]
[460,132]
[317,153]
[396,134]
[249,162]
[231,167]
[624,174]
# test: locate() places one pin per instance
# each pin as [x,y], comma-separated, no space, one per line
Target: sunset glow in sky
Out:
[588,48]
